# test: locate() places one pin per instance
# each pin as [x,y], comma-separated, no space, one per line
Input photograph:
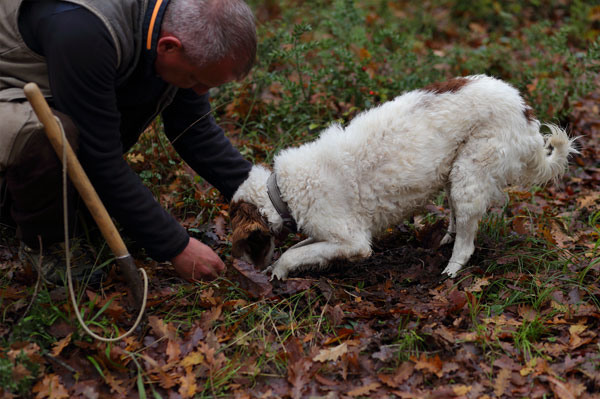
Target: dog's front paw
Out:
[276,271]
[452,269]
[280,272]
[268,270]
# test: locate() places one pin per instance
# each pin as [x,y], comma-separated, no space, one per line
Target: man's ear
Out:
[168,43]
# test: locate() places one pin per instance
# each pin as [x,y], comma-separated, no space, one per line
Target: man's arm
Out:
[204,145]
[82,69]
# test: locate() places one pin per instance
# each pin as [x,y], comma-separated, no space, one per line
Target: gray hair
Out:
[213,30]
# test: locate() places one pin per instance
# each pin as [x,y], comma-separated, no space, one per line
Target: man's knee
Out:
[22,133]
[32,172]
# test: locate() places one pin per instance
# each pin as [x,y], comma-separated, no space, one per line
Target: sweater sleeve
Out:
[195,135]
[81,60]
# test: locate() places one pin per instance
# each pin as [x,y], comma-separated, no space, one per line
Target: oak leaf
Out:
[478,284]
[298,376]
[565,390]
[188,386]
[402,374]
[501,382]
[162,329]
[192,359]
[575,339]
[60,345]
[173,351]
[365,389]
[461,390]
[432,365]
[116,386]
[50,387]
[253,281]
[331,354]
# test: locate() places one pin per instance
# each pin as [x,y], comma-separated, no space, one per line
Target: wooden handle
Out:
[76,172]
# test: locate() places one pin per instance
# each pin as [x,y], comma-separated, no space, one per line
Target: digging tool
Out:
[87,192]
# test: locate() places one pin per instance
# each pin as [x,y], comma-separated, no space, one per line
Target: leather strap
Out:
[280,205]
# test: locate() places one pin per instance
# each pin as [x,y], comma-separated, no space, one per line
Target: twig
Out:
[60,362]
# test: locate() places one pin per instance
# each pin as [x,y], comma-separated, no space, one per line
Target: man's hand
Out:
[198,262]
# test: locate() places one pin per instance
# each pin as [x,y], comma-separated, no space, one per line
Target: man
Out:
[108,68]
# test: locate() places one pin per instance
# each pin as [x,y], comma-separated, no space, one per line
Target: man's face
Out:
[174,67]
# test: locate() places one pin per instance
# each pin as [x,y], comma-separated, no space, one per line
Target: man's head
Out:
[206,43]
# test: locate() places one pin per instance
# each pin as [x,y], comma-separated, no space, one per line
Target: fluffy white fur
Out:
[352,183]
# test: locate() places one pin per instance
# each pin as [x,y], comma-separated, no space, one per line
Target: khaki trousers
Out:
[31,176]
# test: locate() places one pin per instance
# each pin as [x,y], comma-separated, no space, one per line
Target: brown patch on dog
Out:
[528,113]
[449,86]
[251,235]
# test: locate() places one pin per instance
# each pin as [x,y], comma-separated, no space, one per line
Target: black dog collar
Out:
[280,205]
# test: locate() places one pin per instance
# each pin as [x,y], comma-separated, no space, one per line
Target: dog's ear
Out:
[256,246]
[251,235]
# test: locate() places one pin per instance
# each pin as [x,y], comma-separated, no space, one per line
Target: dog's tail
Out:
[551,160]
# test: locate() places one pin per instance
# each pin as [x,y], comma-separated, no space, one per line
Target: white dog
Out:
[471,136]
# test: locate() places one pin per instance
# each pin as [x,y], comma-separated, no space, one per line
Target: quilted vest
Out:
[19,65]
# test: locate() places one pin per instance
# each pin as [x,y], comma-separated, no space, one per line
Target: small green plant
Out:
[408,341]
[18,375]
[527,335]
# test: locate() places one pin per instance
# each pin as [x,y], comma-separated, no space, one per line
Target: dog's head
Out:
[252,239]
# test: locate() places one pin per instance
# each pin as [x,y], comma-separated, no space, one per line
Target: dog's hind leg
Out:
[449,237]
[464,245]
[470,197]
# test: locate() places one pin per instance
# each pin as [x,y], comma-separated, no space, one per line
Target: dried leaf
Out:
[116,386]
[220,225]
[519,226]
[564,390]
[292,286]
[188,387]
[461,390]
[402,374]
[340,334]
[365,389]
[385,353]
[501,382]
[12,293]
[457,300]
[577,329]
[86,389]
[192,359]
[29,349]
[432,365]
[478,284]
[253,281]
[575,340]
[331,354]
[60,345]
[135,157]
[210,316]
[173,351]
[161,329]
[591,200]
[410,395]
[298,376]
[50,387]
